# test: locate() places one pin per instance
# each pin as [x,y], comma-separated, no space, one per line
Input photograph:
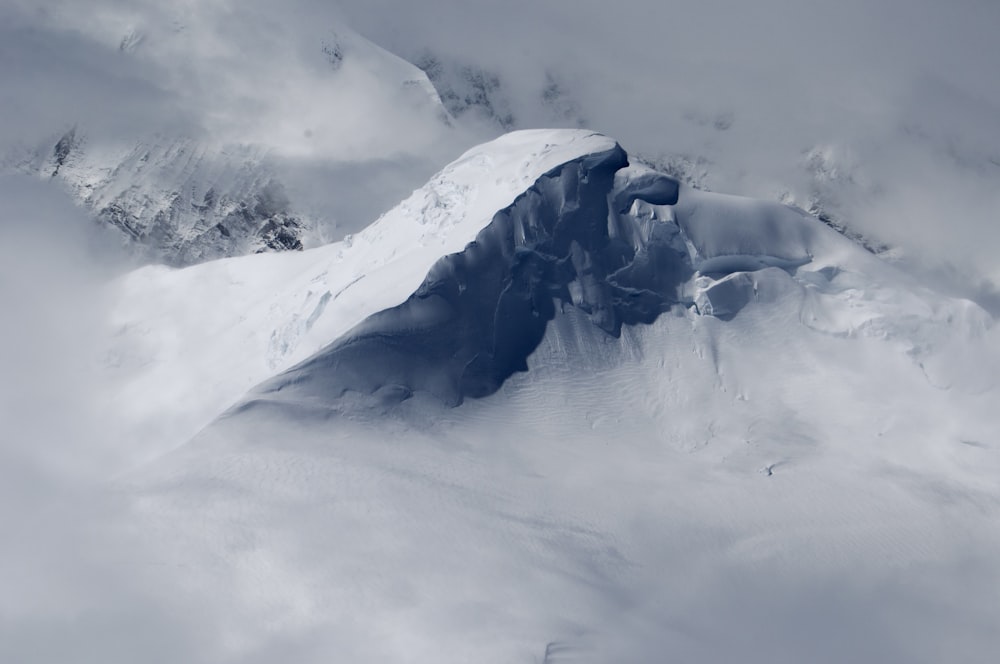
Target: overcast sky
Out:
[901,96]
[895,100]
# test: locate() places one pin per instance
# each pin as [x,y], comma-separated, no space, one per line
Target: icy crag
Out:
[621,244]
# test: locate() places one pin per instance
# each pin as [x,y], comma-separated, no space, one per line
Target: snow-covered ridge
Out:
[176,360]
[621,244]
[532,218]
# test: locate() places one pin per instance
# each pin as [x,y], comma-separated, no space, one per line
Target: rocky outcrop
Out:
[177,202]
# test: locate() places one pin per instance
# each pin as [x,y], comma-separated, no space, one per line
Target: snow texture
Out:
[622,244]
[175,361]
[740,437]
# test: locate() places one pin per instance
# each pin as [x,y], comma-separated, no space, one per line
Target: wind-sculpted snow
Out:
[448,293]
[480,313]
[736,427]
[622,244]
[188,343]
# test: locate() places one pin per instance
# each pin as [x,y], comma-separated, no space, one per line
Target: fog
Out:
[347,142]
[886,115]
[901,95]
[59,563]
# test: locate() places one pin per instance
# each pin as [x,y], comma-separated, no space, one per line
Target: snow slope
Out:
[791,458]
[624,245]
[176,360]
[716,491]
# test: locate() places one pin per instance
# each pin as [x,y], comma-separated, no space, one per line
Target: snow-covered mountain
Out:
[270,148]
[177,201]
[559,407]
[535,206]
[178,361]
[563,402]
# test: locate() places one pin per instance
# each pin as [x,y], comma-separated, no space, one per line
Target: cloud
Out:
[906,88]
[245,90]
[56,77]
[903,91]
[222,72]
[65,594]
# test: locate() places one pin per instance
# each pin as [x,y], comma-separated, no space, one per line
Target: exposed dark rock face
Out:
[64,146]
[176,202]
[333,51]
[568,241]
[280,233]
[690,169]
[223,227]
[560,103]
[817,210]
[468,89]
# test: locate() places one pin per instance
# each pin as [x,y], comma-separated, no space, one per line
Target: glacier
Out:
[670,423]
[621,243]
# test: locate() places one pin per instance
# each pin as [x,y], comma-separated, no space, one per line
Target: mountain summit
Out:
[621,245]
[584,412]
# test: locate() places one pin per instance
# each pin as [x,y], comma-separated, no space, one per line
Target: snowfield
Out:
[792,458]
[176,360]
